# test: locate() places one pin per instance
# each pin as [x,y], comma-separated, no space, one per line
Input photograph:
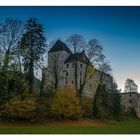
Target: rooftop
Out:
[59,46]
[79,57]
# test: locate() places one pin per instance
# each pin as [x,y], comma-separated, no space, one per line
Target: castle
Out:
[61,70]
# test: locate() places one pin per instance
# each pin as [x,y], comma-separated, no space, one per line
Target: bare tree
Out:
[1,58]
[10,33]
[76,42]
[104,69]
[130,86]
[55,70]
[94,52]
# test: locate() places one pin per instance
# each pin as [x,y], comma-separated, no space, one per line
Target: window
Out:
[123,107]
[67,65]
[130,101]
[72,82]
[130,95]
[81,65]
[67,74]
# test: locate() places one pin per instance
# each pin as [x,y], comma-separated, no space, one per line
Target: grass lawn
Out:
[128,126]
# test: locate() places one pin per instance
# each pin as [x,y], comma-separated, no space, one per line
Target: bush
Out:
[87,106]
[65,105]
[19,109]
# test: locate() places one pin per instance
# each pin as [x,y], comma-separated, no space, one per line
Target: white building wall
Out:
[67,73]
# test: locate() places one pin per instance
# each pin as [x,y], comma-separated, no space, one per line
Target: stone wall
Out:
[130,101]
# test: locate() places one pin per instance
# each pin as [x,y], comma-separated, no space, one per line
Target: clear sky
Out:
[117,29]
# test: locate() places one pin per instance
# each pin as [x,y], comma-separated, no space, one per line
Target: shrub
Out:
[19,109]
[65,105]
[87,106]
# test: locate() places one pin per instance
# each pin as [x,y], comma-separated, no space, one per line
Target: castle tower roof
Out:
[60,46]
[78,56]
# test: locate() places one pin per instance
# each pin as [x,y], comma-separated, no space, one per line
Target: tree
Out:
[94,52]
[116,101]
[1,58]
[104,68]
[100,106]
[10,33]
[87,106]
[101,89]
[66,105]
[33,45]
[130,86]
[19,109]
[77,43]
[107,102]
[55,67]
[56,70]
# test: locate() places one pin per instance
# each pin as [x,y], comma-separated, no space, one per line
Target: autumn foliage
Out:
[19,109]
[87,106]
[66,105]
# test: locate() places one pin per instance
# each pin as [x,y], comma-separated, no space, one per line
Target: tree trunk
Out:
[83,83]
[31,76]
[6,62]
[76,84]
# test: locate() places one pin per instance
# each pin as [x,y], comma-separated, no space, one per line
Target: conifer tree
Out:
[33,45]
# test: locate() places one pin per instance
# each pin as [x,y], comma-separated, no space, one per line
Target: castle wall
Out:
[130,101]
[66,72]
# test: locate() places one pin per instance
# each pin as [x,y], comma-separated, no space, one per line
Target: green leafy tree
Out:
[33,45]
[12,83]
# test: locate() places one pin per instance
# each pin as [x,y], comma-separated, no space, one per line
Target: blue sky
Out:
[117,29]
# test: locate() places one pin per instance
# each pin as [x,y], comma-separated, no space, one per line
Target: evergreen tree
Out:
[33,45]
[116,100]
[107,102]
[100,106]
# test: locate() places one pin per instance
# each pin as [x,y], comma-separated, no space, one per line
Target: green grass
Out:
[74,130]
[126,126]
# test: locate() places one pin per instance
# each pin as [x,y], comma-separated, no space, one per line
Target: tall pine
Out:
[33,46]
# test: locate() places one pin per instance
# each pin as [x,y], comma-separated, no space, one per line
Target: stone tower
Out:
[57,55]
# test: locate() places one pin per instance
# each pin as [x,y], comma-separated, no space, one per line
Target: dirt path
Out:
[79,123]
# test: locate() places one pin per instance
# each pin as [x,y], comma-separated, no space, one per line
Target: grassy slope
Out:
[128,126]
